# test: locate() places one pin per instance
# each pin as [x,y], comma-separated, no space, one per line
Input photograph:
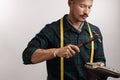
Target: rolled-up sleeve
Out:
[43,40]
[39,41]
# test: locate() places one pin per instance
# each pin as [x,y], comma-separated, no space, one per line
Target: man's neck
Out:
[75,24]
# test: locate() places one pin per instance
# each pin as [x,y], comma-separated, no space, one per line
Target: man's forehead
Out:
[82,0]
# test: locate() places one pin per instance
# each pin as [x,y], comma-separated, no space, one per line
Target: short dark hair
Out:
[73,0]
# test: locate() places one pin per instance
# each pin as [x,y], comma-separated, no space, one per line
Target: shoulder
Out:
[94,27]
[51,26]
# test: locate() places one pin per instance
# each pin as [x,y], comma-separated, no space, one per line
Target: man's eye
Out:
[82,6]
[89,7]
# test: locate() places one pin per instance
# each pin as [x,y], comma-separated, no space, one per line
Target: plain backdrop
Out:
[20,20]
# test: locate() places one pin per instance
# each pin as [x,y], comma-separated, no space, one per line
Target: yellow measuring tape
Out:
[92,45]
[62,44]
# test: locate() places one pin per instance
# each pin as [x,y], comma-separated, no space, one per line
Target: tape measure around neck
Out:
[62,44]
[92,45]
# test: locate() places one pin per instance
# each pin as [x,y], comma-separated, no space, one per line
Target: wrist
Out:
[54,53]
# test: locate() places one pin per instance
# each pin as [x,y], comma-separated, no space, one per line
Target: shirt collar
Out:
[68,26]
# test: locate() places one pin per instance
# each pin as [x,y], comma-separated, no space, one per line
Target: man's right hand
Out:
[67,51]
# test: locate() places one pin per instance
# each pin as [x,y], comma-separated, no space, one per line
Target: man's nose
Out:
[86,10]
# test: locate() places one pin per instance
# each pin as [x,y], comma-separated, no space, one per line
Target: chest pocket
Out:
[88,46]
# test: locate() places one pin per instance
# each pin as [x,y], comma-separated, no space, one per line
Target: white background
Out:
[20,20]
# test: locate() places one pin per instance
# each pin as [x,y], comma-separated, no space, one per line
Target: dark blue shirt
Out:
[49,37]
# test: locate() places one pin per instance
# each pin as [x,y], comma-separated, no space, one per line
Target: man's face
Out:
[80,9]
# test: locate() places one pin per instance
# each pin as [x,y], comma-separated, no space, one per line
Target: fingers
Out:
[70,50]
[101,64]
[67,51]
[74,48]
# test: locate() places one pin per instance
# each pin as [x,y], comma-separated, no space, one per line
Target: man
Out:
[46,44]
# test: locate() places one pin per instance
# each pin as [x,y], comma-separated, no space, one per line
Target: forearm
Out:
[41,55]
[46,54]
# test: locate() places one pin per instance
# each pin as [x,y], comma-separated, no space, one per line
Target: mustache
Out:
[84,15]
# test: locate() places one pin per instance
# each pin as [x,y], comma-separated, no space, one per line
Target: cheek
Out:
[78,10]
